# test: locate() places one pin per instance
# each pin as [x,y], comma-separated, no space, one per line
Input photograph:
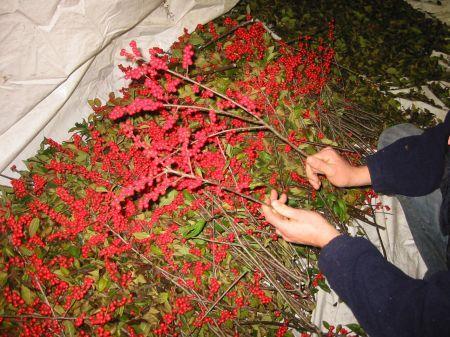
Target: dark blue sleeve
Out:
[385,301]
[411,166]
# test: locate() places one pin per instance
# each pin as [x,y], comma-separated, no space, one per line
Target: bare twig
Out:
[32,316]
[210,182]
[223,294]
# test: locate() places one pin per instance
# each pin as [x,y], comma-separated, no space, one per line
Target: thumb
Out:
[320,166]
[284,210]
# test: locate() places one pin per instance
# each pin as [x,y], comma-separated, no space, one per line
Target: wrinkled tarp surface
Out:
[57,54]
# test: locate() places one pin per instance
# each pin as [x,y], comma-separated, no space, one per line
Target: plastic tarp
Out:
[57,54]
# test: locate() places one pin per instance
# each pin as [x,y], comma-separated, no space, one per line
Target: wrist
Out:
[328,236]
[360,176]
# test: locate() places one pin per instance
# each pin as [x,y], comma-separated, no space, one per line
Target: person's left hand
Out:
[297,225]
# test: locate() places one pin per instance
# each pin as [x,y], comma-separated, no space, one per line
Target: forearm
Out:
[413,165]
[378,293]
[360,176]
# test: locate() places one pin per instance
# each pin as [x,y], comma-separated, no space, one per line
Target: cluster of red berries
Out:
[188,54]
[19,187]
[130,169]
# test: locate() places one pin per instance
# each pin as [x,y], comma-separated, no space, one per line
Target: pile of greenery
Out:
[379,44]
[146,222]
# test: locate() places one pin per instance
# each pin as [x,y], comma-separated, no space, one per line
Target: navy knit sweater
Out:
[385,301]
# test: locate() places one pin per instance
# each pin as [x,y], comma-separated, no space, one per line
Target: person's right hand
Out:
[298,225]
[337,170]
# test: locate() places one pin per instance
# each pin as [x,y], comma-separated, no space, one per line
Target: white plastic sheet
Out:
[438,9]
[57,54]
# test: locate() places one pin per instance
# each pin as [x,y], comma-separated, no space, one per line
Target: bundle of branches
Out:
[146,222]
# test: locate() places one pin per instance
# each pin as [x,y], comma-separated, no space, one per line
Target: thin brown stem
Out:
[206,109]
[245,23]
[210,182]
[216,70]
[224,293]
[237,130]
[32,316]
[259,119]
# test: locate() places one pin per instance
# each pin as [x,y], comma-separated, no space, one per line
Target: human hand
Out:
[297,225]
[337,170]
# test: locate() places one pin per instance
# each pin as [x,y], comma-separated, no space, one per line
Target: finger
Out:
[328,155]
[273,217]
[313,178]
[283,198]
[325,153]
[319,165]
[281,235]
[266,205]
[284,210]
[273,195]
[328,148]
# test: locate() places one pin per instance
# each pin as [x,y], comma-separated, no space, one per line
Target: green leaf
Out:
[3,278]
[65,271]
[69,328]
[81,157]
[95,274]
[101,189]
[188,197]
[356,329]
[195,229]
[140,279]
[180,250]
[27,294]
[9,252]
[141,235]
[163,297]
[26,251]
[59,309]
[177,53]
[391,71]
[146,328]
[168,198]
[324,286]
[150,316]
[195,39]
[255,184]
[265,157]
[156,250]
[74,251]
[198,171]
[34,226]
[103,284]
